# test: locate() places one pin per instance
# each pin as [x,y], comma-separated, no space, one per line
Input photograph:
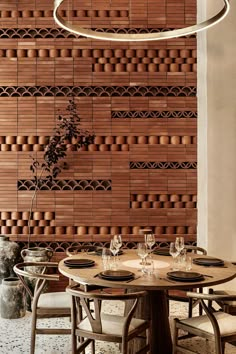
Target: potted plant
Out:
[67,136]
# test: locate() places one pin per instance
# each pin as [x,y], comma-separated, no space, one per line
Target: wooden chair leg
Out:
[124,347]
[73,326]
[33,332]
[200,305]
[223,347]
[93,347]
[218,345]
[190,307]
[175,338]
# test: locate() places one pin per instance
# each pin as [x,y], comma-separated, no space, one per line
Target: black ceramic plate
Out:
[208,261]
[185,276]
[162,251]
[80,266]
[79,262]
[116,274]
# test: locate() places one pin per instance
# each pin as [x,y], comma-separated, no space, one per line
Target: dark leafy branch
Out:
[67,135]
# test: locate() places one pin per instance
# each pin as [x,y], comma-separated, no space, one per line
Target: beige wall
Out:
[217,136]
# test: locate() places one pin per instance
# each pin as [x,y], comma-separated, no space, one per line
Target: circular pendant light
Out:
[138,37]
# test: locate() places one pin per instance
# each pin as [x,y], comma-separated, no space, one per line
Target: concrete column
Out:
[217,134]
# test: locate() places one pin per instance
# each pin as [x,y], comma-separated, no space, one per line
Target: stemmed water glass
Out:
[114,250]
[174,253]
[150,241]
[118,241]
[179,243]
[142,252]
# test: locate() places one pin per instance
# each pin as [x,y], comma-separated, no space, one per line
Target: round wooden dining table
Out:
[155,307]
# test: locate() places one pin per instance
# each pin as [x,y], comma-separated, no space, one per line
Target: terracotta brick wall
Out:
[138,98]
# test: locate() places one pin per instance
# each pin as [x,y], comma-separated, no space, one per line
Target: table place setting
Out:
[185,276]
[117,275]
[209,262]
[79,263]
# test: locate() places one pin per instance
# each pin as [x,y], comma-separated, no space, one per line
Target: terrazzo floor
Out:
[15,336]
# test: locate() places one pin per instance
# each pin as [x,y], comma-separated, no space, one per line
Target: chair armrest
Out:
[20,270]
[76,291]
[212,297]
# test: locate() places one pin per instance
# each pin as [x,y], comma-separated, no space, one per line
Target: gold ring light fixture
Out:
[138,37]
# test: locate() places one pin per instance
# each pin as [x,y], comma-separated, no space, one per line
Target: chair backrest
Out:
[72,250]
[94,315]
[206,301]
[38,271]
[228,306]
[195,249]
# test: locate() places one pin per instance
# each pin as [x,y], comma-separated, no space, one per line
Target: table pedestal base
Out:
[155,308]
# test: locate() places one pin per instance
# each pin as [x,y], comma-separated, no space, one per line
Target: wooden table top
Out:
[157,281]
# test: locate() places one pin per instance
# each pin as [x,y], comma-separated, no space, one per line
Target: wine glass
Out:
[174,253]
[114,250]
[118,241]
[142,252]
[150,241]
[179,243]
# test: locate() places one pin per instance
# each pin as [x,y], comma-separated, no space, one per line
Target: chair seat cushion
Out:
[227,323]
[111,324]
[55,300]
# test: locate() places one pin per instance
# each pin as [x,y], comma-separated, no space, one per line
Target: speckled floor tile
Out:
[15,336]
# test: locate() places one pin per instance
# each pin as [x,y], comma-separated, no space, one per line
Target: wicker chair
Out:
[181,295]
[228,306]
[73,250]
[105,327]
[44,304]
[218,326]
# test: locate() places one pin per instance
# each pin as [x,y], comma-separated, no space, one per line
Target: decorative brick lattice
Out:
[59,247]
[13,223]
[25,33]
[66,185]
[156,201]
[154,114]
[112,56]
[144,60]
[117,60]
[102,143]
[98,91]
[72,13]
[47,228]
[163,165]
[61,33]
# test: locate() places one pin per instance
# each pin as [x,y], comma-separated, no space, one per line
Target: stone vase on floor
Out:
[9,256]
[12,299]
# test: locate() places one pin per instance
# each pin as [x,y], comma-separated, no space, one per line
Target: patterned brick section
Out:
[140,99]
[68,185]
[97,91]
